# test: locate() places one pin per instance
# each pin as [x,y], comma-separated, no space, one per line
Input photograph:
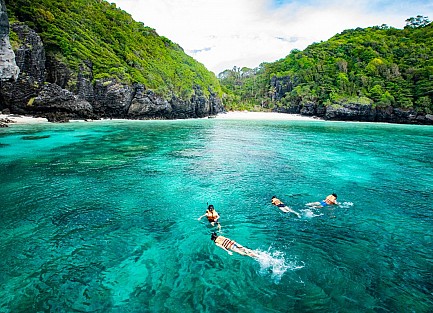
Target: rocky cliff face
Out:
[346,111]
[46,87]
[8,68]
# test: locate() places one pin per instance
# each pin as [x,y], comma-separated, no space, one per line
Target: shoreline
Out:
[21,119]
[11,119]
[274,116]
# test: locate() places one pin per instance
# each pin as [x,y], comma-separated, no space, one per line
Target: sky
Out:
[222,34]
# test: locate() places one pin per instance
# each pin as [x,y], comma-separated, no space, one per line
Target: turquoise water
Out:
[102,217]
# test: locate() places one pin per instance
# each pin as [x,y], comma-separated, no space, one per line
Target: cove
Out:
[102,216]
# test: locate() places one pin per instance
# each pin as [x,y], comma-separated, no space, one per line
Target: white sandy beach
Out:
[244,115]
[22,119]
[236,115]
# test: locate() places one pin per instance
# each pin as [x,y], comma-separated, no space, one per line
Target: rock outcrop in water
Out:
[41,85]
[346,111]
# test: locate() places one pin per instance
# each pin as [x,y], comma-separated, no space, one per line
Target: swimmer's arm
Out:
[201,217]
[334,201]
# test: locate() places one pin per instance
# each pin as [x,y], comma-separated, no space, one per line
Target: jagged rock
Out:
[53,100]
[56,117]
[216,105]
[308,108]
[146,104]
[197,106]
[112,98]
[84,82]
[5,121]
[57,72]
[8,67]
[4,21]
[200,104]
[30,56]
[280,86]
[345,110]
[350,112]
[47,87]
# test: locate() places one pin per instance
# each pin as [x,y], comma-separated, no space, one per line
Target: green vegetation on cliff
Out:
[378,65]
[74,31]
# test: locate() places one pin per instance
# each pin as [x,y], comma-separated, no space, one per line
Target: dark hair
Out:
[213,236]
[273,197]
[335,195]
[210,207]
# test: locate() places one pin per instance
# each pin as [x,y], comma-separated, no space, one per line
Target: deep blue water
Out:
[102,217]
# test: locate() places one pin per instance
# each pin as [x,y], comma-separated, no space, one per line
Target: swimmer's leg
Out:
[294,212]
[314,205]
[244,251]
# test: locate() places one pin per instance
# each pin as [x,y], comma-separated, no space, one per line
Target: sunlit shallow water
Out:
[102,217]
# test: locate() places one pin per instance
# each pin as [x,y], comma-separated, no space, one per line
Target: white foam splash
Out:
[310,214]
[346,205]
[274,263]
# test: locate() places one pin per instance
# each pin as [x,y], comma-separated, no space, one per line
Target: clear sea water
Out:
[102,217]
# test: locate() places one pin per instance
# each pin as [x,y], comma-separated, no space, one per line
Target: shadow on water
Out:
[35,137]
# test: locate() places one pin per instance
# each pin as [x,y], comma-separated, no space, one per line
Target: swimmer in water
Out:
[230,245]
[212,216]
[277,202]
[329,200]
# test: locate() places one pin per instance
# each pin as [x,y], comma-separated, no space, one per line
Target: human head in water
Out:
[213,236]
[210,207]
[335,195]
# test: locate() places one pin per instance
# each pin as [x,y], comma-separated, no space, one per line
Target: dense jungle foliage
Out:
[378,65]
[118,46]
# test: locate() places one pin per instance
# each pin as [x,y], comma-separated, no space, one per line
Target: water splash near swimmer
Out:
[346,205]
[308,213]
[274,263]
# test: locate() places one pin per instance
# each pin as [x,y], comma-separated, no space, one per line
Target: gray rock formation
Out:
[30,57]
[8,68]
[280,86]
[145,104]
[346,111]
[52,98]
[47,87]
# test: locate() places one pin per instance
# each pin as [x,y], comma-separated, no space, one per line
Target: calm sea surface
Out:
[102,217]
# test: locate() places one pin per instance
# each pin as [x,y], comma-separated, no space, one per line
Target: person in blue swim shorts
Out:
[278,203]
[329,200]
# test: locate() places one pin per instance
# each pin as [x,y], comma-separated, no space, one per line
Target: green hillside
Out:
[379,65]
[95,30]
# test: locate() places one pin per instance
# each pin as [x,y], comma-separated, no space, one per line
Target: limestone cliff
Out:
[37,83]
[345,110]
[8,68]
